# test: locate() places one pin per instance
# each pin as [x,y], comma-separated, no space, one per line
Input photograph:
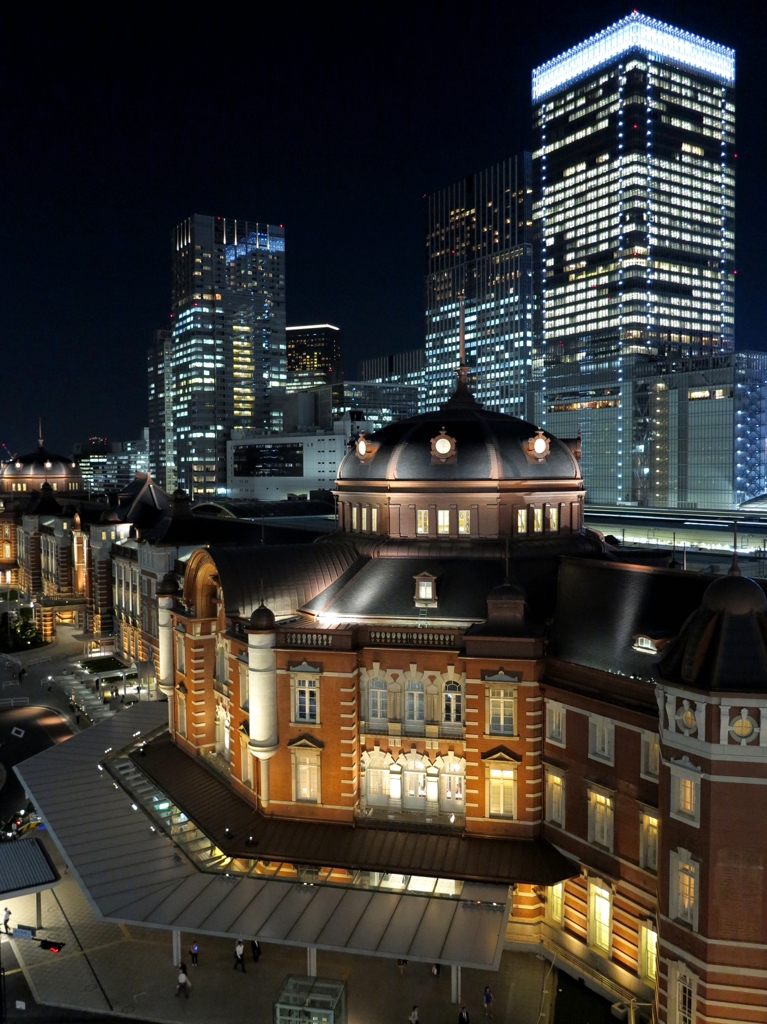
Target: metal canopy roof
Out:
[134,874]
[25,867]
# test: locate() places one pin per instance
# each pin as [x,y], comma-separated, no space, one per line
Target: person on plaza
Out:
[463,1016]
[255,950]
[487,998]
[436,970]
[184,984]
[402,964]
[194,950]
[6,919]
[239,958]
[413,1018]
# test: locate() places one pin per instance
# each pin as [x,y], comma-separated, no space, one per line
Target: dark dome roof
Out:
[262,619]
[737,595]
[168,586]
[41,463]
[488,446]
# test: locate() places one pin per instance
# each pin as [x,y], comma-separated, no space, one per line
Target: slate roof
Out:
[25,867]
[214,806]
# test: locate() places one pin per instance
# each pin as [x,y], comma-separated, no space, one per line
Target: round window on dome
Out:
[48,463]
[686,719]
[362,447]
[538,446]
[17,465]
[743,729]
[442,446]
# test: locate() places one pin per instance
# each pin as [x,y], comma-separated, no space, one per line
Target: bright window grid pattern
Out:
[501,711]
[600,918]
[556,796]
[307,777]
[686,892]
[601,808]
[306,701]
[502,785]
[379,700]
[635,32]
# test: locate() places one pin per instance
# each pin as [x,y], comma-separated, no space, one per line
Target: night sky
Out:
[120,120]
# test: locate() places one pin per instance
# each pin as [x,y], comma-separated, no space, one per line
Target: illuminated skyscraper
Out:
[228,340]
[479,251]
[314,355]
[160,407]
[635,217]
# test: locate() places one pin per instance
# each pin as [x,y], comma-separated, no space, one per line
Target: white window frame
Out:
[377,785]
[425,590]
[602,739]
[308,680]
[556,723]
[601,818]
[354,517]
[452,703]
[246,762]
[181,725]
[555,903]
[522,520]
[600,894]
[422,522]
[648,952]
[417,692]
[381,691]
[374,519]
[505,700]
[649,838]
[364,518]
[464,522]
[443,521]
[555,796]
[306,774]
[650,765]
[180,652]
[684,784]
[502,775]
[683,887]
[682,980]
[452,788]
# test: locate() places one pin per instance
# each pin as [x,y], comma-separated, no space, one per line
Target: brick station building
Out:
[463,685]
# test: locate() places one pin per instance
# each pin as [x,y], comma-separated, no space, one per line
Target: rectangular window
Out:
[443,521]
[648,846]
[374,519]
[247,765]
[378,782]
[502,786]
[379,702]
[600,914]
[555,798]
[307,776]
[364,518]
[182,715]
[521,520]
[464,521]
[354,517]
[648,952]
[180,653]
[554,518]
[684,1001]
[422,522]
[537,520]
[601,739]
[306,700]
[686,891]
[600,819]
[685,797]
[502,703]
[650,756]
[425,590]
[556,902]
[555,723]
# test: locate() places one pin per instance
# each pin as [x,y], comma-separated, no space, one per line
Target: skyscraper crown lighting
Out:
[635,32]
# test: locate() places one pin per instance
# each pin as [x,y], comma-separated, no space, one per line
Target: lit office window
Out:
[443,521]
[422,521]
[464,521]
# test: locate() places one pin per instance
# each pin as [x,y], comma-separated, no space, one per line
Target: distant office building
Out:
[313,355]
[282,465]
[400,368]
[376,404]
[228,340]
[635,215]
[112,465]
[479,251]
[695,428]
[162,463]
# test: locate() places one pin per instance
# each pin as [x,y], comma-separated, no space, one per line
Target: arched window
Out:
[414,707]
[378,701]
[221,666]
[377,781]
[451,787]
[414,786]
[222,733]
[452,704]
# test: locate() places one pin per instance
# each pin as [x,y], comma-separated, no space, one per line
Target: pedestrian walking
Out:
[488,1001]
[239,958]
[6,919]
[184,984]
[436,970]
[194,950]
[463,1016]
[255,950]
[402,964]
[413,1018]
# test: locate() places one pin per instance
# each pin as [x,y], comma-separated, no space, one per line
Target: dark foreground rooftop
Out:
[215,807]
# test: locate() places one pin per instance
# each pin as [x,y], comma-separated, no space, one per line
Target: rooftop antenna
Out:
[40,431]
[734,568]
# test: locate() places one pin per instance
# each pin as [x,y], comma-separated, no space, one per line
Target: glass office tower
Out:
[162,464]
[479,252]
[635,222]
[229,351]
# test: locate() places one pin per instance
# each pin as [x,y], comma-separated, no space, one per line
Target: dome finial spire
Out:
[40,431]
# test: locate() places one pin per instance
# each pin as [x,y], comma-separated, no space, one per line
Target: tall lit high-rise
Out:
[162,463]
[479,252]
[634,165]
[228,340]
[314,355]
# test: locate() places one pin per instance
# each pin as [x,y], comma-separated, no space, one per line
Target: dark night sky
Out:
[122,119]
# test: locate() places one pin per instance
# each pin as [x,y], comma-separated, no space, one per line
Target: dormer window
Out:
[426,590]
[645,645]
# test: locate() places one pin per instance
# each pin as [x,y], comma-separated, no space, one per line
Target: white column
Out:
[262,702]
[176,947]
[165,667]
[311,961]
[455,984]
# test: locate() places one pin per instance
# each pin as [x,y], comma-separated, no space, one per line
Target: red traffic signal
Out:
[51,945]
